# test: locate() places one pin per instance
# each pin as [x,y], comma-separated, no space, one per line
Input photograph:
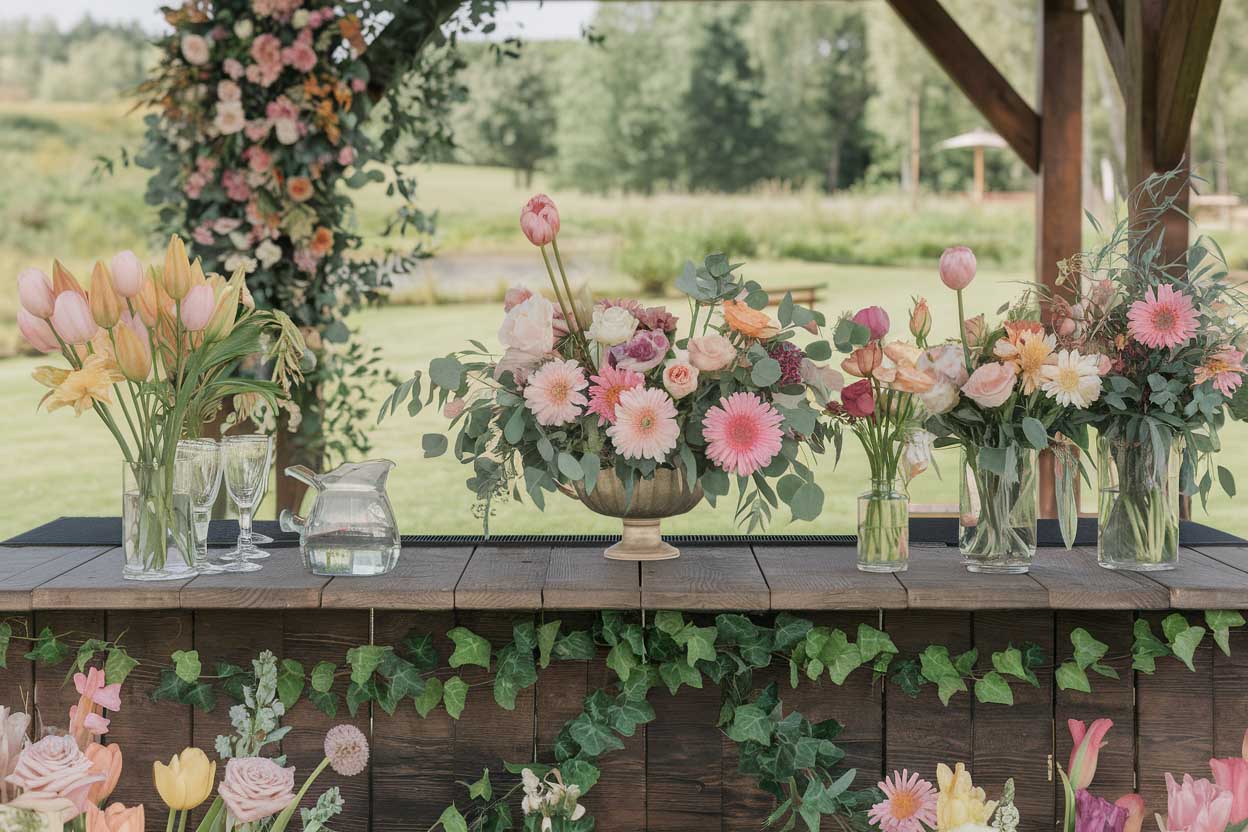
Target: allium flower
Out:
[790,356]
[645,424]
[608,386]
[347,749]
[553,392]
[1073,379]
[742,433]
[909,804]
[1164,318]
[1225,368]
[1029,352]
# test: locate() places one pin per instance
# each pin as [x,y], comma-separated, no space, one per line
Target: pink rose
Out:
[202,235]
[255,788]
[875,319]
[680,379]
[858,399]
[257,158]
[300,54]
[710,353]
[56,767]
[991,384]
[957,267]
[641,353]
[232,68]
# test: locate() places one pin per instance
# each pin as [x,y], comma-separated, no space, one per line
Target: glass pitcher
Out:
[351,528]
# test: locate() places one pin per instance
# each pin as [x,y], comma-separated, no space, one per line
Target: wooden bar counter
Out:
[679,772]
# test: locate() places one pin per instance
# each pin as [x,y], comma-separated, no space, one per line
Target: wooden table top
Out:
[730,577]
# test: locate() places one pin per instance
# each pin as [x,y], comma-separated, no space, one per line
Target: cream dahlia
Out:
[553,392]
[1072,379]
[742,433]
[645,424]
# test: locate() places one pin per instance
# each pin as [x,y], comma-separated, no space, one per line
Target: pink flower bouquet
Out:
[587,391]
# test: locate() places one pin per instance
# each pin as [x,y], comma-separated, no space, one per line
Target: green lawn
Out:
[61,465]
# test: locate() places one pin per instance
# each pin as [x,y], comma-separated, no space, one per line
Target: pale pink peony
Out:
[957,267]
[539,220]
[255,788]
[645,425]
[1164,318]
[742,433]
[554,392]
[347,749]
[711,353]
[1196,805]
[55,766]
[991,384]
[515,296]
[608,386]
[680,378]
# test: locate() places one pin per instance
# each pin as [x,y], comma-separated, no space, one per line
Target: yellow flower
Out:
[187,781]
[50,376]
[176,277]
[1029,353]
[103,301]
[81,389]
[959,801]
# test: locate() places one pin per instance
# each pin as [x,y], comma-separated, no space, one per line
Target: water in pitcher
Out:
[354,552]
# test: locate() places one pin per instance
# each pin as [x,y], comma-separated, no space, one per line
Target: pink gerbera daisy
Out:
[1225,368]
[645,424]
[742,433]
[553,392]
[1164,318]
[909,804]
[607,387]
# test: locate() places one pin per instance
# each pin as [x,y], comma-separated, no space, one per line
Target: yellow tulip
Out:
[959,801]
[134,355]
[176,278]
[147,301]
[104,303]
[197,273]
[187,781]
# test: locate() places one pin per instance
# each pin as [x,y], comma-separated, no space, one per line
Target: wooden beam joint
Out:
[1182,49]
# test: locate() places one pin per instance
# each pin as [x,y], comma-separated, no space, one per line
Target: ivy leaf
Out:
[470,648]
[1173,624]
[625,714]
[325,702]
[363,660]
[699,643]
[580,773]
[578,645]
[1088,651]
[452,820]
[840,657]
[622,660]
[323,676]
[908,677]
[1070,676]
[187,665]
[669,621]
[516,671]
[594,738]
[640,681]
[419,650]
[429,697]
[201,696]
[6,633]
[1009,662]
[86,652]
[790,630]
[936,667]
[1185,643]
[749,723]
[1220,623]
[454,695]
[994,688]
[546,635]
[676,673]
[482,788]
[290,682]
[1105,670]
[358,695]
[169,687]
[872,642]
[118,665]
[1146,648]
[48,649]
[965,663]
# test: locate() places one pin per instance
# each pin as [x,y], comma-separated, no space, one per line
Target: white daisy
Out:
[1072,380]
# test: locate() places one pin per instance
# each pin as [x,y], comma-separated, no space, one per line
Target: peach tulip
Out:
[957,267]
[37,332]
[35,293]
[147,301]
[106,760]
[104,303]
[176,277]
[1088,743]
[539,220]
[71,318]
[116,818]
[197,307]
[127,273]
[63,281]
[864,361]
[134,355]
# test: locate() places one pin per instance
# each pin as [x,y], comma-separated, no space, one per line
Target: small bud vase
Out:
[998,506]
[1138,506]
[883,528]
[157,525]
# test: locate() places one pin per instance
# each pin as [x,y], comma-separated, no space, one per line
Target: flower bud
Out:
[71,318]
[134,356]
[35,293]
[223,315]
[148,304]
[539,220]
[197,307]
[957,267]
[63,281]
[920,319]
[176,277]
[104,303]
[127,273]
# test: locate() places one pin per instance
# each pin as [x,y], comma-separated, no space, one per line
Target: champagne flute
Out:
[197,472]
[246,463]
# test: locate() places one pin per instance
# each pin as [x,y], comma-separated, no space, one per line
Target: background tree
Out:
[510,116]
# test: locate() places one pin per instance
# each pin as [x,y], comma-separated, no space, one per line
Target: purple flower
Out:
[1095,814]
[641,353]
[790,356]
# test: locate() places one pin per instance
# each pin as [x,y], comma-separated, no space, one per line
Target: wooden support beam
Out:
[1109,16]
[1182,49]
[975,75]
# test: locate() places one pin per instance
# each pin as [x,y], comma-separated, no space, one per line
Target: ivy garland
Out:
[792,758]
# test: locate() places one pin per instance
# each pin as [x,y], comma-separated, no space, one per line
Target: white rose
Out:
[286,130]
[268,253]
[230,118]
[529,327]
[947,360]
[243,29]
[299,19]
[195,49]
[613,325]
[942,398]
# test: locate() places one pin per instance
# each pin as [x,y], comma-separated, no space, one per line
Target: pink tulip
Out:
[35,293]
[875,319]
[127,273]
[957,267]
[1196,806]
[71,318]
[1231,774]
[539,220]
[36,331]
[1134,804]
[197,307]
[1088,745]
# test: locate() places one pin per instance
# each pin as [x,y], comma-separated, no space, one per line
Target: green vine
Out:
[792,758]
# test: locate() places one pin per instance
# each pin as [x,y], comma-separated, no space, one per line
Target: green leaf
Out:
[594,738]
[908,677]
[1010,662]
[482,788]
[454,695]
[323,676]
[577,646]
[765,372]
[470,648]
[290,682]
[1220,623]
[86,653]
[201,696]
[1227,480]
[569,467]
[452,820]
[1185,643]
[546,635]
[363,660]
[749,723]
[325,702]
[187,665]
[625,714]
[433,444]
[669,621]
[48,649]
[840,657]
[807,502]
[676,673]
[790,629]
[118,665]
[429,696]
[1146,648]
[937,668]
[994,688]
[699,642]
[1174,624]
[515,672]
[872,642]
[580,773]
[1070,676]
[1036,435]
[1088,651]
[6,633]
[965,663]
[622,660]
[818,350]
[446,372]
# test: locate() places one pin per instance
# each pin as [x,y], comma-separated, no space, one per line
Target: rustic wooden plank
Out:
[1075,581]
[1182,50]
[580,578]
[148,731]
[1109,699]
[45,563]
[98,584]
[1016,741]
[705,578]
[413,758]
[1201,582]
[1230,694]
[920,732]
[1175,733]
[503,578]
[825,578]
[17,680]
[1108,15]
[981,82]
[282,583]
[53,697]
[423,579]
[308,638]
[937,579]
[619,800]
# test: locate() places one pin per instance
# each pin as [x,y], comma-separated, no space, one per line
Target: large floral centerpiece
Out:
[1003,392]
[632,411]
[1172,333]
[153,354]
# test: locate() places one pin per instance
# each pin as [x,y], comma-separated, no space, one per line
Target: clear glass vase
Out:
[1138,505]
[998,505]
[883,528]
[157,525]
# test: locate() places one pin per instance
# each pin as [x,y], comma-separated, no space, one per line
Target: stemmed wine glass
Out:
[245,460]
[197,472]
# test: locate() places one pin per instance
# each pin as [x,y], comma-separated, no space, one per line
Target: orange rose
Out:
[749,322]
[299,188]
[1014,329]
[322,241]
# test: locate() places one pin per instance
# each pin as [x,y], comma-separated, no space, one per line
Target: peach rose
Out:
[680,378]
[710,353]
[751,323]
[255,788]
[991,384]
[910,380]
[864,361]
[947,361]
